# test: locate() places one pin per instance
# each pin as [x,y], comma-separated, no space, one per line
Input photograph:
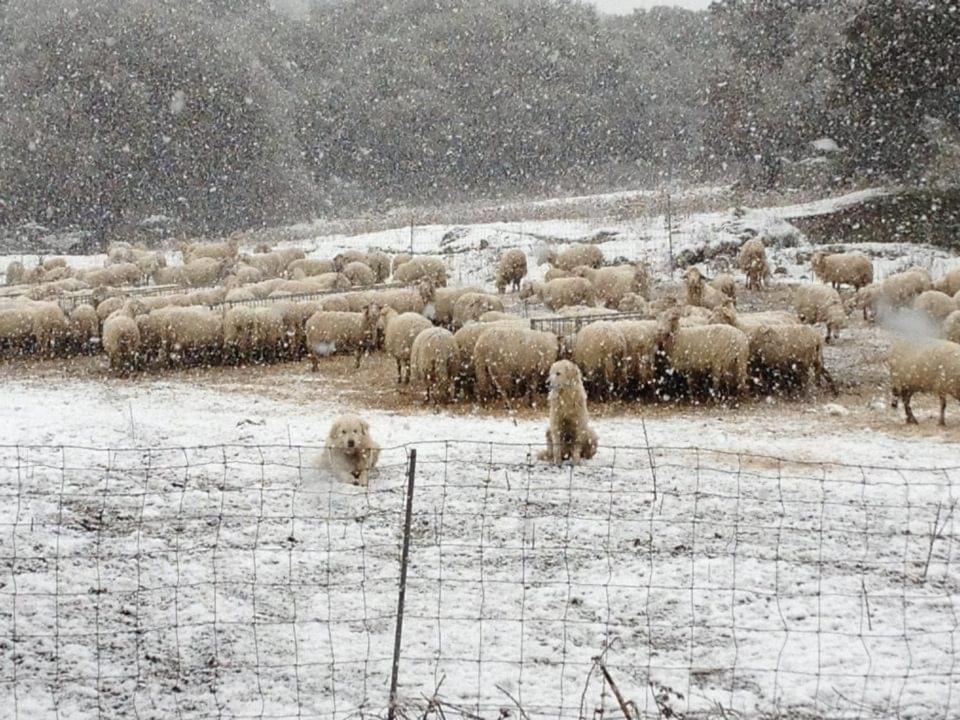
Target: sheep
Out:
[308,267]
[247,274]
[951,327]
[612,284]
[114,275]
[295,316]
[406,299]
[84,329]
[633,303]
[719,354]
[752,262]
[328,332]
[781,350]
[581,311]
[379,262]
[16,328]
[434,363]
[924,366]
[239,294]
[336,303]
[569,436]
[109,305]
[843,269]
[202,271]
[421,268]
[466,339]
[400,330]
[398,260]
[935,305]
[173,275]
[599,350]
[555,274]
[508,357]
[700,293]
[816,303]
[15,272]
[270,265]
[640,339]
[50,329]
[214,251]
[950,282]
[341,260]
[289,255]
[725,284]
[493,316]
[588,255]
[512,269]
[359,273]
[121,341]
[470,306]
[239,325]
[567,291]
[442,302]
[270,332]
[898,290]
[191,335]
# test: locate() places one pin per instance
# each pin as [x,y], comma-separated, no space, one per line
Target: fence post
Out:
[404,556]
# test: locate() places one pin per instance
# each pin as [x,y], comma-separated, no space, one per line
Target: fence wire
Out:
[240,582]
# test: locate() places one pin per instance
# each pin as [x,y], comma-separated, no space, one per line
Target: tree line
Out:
[227,114]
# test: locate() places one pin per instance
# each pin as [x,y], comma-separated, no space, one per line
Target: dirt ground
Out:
[857,362]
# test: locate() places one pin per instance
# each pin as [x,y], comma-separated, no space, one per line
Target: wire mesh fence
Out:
[240,582]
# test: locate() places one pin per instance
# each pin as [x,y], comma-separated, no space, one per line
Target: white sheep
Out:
[329,332]
[400,330]
[752,262]
[434,363]
[508,358]
[512,270]
[918,366]
[818,303]
[714,354]
[599,350]
[843,269]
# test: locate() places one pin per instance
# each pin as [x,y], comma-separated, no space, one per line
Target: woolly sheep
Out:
[50,328]
[54,262]
[725,284]
[599,350]
[843,269]
[569,436]
[466,339]
[239,294]
[588,255]
[512,270]
[951,327]
[470,306]
[359,273]
[328,332]
[379,262]
[121,274]
[508,358]
[895,291]
[443,299]
[216,251]
[718,354]
[238,334]
[400,330]
[817,303]
[398,260]
[931,366]
[699,293]
[269,265]
[950,282]
[405,299]
[785,355]
[109,306]
[310,266]
[83,333]
[555,274]
[121,341]
[935,305]
[341,260]
[422,268]
[15,272]
[247,274]
[203,271]
[752,262]
[192,335]
[640,339]
[612,284]
[567,291]
[493,316]
[434,363]
[633,303]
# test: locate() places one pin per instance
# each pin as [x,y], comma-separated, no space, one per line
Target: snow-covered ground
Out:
[237,579]
[169,548]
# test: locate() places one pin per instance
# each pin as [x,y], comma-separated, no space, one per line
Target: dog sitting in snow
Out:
[569,436]
[350,453]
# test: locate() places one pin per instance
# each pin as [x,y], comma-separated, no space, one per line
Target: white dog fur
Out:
[569,435]
[350,453]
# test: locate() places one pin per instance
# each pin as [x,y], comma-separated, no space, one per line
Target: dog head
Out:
[348,433]
[564,373]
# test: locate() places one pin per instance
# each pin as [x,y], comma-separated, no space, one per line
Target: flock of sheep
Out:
[454,343]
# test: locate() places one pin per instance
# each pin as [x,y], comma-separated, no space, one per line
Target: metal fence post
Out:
[404,556]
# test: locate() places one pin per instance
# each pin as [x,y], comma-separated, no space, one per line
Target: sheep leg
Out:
[314,364]
[359,356]
[943,410]
[822,375]
[399,372]
[911,419]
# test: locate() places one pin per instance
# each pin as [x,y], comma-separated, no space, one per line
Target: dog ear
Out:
[364,427]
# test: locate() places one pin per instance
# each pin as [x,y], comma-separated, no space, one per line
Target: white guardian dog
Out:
[350,453]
